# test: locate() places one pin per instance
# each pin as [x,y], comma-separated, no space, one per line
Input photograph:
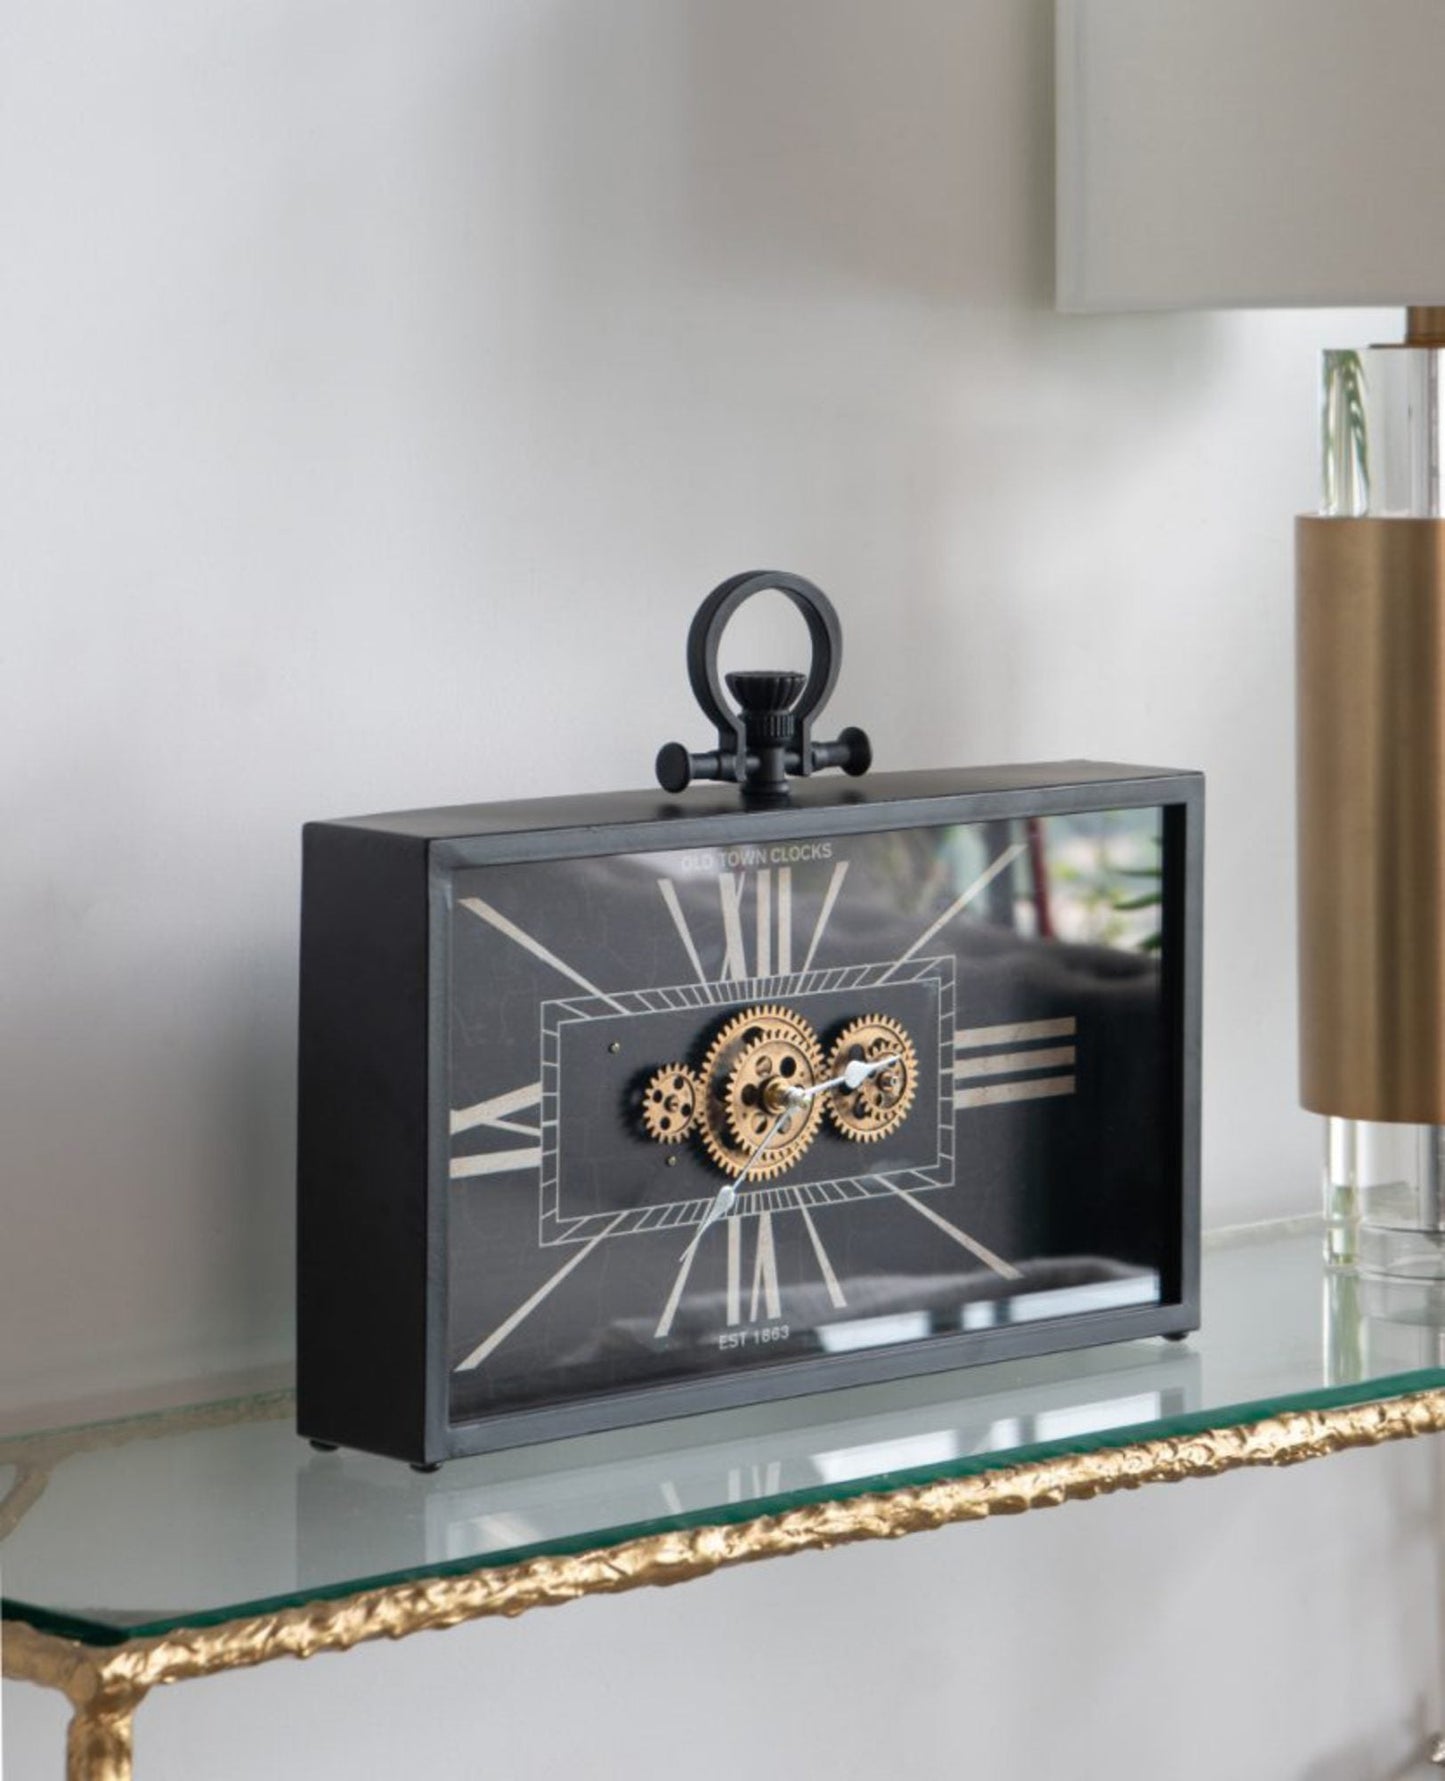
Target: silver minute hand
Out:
[723,1199]
[854,1076]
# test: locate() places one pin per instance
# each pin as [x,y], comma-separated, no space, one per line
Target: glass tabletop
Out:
[127,1528]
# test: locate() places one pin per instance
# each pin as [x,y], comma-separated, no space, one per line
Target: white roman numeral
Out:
[674,1298]
[679,921]
[959,903]
[499,1335]
[766,1292]
[496,1162]
[772,923]
[1044,1070]
[495,1115]
[770,893]
[730,892]
[830,1279]
[765,1273]
[1006,1269]
[479,907]
[835,884]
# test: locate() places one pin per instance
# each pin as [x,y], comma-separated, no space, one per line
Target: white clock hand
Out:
[854,1076]
[723,1200]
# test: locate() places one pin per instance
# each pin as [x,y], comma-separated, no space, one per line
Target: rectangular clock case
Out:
[537,1041]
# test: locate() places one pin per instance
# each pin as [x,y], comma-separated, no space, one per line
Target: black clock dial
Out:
[621,1031]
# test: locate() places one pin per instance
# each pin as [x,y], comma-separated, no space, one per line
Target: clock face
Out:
[630,1036]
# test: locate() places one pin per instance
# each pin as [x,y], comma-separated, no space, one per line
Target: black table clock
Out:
[618,1107]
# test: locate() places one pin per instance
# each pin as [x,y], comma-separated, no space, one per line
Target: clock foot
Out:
[432,1466]
[324,1446]
[1177,1336]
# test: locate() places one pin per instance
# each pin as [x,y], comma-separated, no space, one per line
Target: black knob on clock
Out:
[768,737]
[675,768]
[853,752]
[766,696]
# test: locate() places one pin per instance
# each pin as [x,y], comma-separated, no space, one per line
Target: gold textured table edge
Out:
[105,1684]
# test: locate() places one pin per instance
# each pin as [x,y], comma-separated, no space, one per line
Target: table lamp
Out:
[1291,153]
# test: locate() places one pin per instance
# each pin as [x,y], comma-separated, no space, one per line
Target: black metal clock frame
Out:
[374,1106]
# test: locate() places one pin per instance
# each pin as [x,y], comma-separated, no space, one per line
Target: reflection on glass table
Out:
[1376,1327]
[121,1530]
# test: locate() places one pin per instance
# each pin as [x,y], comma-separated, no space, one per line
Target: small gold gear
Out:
[753,1049]
[881,1104]
[669,1103]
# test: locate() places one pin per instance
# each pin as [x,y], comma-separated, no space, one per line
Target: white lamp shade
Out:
[1221,153]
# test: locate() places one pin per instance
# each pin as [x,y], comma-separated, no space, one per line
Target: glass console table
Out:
[155,1549]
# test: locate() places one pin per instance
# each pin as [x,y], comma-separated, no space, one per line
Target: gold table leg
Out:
[98,1741]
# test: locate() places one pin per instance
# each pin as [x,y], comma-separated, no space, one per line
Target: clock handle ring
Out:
[770,735]
[705,637]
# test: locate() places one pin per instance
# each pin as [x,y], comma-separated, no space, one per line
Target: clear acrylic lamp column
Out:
[1370,608]
[1291,153]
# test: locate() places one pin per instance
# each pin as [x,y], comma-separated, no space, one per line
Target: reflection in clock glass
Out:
[738,1107]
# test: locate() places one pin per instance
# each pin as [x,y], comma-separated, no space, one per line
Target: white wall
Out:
[383,386]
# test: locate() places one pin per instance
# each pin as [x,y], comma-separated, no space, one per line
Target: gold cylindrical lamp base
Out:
[1371,786]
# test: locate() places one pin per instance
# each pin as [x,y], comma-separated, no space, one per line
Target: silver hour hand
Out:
[854,1076]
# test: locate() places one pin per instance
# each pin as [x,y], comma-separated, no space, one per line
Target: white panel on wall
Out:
[1249,152]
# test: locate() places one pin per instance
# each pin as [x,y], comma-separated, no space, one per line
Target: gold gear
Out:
[669,1103]
[881,1104]
[755,1097]
[731,1067]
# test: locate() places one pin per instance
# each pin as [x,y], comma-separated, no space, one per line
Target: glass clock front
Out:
[728,1107]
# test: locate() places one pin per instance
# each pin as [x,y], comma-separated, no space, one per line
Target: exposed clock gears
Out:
[737,1098]
[755,1057]
[669,1103]
[879,1105]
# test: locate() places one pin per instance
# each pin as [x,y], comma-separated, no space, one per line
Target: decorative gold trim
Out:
[108,1677]
[105,1684]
